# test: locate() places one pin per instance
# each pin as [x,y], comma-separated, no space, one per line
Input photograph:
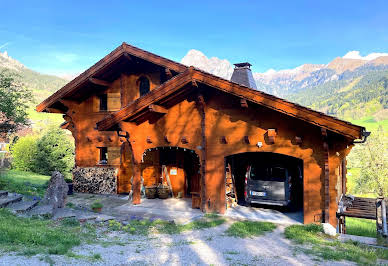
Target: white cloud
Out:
[356,55]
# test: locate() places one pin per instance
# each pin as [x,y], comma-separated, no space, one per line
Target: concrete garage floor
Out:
[178,210]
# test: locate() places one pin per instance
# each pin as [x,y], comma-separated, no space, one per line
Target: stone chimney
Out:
[242,74]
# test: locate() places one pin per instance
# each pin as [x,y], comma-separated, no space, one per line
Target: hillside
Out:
[41,86]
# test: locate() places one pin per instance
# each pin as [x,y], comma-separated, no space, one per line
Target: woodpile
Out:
[95,180]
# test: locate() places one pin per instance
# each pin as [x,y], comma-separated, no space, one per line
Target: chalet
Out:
[136,116]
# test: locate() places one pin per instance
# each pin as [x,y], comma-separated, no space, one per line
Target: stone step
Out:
[63,213]
[22,206]
[41,210]
[3,193]
[4,202]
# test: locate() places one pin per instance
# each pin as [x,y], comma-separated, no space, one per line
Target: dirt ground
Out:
[199,247]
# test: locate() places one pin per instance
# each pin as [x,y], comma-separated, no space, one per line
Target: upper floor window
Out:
[103,102]
[144,86]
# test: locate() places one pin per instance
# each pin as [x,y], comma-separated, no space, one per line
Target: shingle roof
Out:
[192,74]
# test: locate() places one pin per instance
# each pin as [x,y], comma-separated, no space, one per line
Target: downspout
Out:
[365,134]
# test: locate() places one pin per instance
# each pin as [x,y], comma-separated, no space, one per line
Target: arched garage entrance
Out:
[181,166]
[265,180]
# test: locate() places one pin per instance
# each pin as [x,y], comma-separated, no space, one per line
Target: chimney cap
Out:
[245,64]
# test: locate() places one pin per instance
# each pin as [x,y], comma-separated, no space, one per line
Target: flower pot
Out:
[97,209]
[151,192]
[163,192]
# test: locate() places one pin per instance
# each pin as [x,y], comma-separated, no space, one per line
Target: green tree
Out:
[14,99]
[24,153]
[55,152]
[372,159]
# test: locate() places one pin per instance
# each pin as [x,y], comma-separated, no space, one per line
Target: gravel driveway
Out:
[200,247]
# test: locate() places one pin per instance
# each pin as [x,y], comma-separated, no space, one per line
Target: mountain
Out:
[41,85]
[349,87]
[218,67]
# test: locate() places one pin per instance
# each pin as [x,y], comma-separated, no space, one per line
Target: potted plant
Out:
[97,206]
[69,182]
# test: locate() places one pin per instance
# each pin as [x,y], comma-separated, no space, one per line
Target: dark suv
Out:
[267,185]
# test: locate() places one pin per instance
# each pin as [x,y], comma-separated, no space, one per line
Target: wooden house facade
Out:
[136,117]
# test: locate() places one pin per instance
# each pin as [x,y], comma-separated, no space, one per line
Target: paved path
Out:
[178,210]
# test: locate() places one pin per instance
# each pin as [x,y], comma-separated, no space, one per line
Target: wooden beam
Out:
[326,187]
[243,103]
[157,109]
[194,83]
[127,56]
[168,73]
[184,140]
[200,105]
[271,133]
[100,82]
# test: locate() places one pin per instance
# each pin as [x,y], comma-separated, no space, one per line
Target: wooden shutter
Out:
[114,155]
[114,101]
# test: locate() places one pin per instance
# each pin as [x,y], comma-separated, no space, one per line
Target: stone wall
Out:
[95,179]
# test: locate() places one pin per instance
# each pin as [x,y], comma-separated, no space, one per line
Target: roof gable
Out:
[124,50]
[192,75]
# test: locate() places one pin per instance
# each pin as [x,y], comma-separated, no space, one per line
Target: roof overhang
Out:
[194,76]
[89,80]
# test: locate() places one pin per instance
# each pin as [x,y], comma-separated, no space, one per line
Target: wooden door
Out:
[125,170]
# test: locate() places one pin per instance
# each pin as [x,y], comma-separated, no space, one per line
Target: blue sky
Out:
[69,36]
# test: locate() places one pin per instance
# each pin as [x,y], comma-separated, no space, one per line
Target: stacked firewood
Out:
[94,180]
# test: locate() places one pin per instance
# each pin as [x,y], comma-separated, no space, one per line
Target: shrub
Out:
[96,205]
[24,153]
[55,152]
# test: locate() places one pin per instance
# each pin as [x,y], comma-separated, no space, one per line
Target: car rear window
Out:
[277,174]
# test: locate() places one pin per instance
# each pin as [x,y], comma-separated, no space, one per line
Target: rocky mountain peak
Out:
[8,62]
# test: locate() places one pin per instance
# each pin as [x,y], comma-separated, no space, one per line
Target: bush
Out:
[55,152]
[52,151]
[24,153]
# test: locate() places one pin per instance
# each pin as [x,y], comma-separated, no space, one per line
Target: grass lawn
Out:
[31,236]
[26,183]
[313,241]
[371,124]
[144,227]
[360,227]
[245,229]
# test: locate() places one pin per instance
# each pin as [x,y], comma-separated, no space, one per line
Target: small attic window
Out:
[144,86]
[103,102]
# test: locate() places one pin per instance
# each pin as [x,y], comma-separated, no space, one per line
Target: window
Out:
[275,173]
[103,155]
[144,86]
[103,102]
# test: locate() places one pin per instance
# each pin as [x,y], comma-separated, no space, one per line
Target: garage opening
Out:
[174,167]
[265,180]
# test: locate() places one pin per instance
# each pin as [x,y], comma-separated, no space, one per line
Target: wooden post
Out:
[381,216]
[326,176]
[200,102]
